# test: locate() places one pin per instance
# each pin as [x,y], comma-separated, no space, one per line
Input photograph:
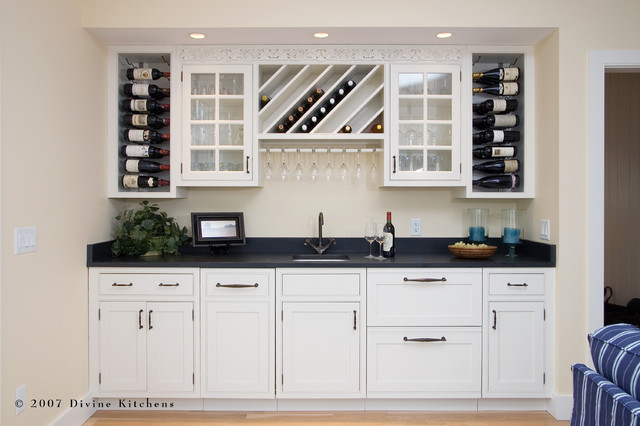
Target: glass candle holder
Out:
[478,220]
[512,229]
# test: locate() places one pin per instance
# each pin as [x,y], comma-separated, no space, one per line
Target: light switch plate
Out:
[545,229]
[416,227]
[25,239]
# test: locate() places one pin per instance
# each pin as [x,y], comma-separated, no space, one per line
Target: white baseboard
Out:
[77,413]
[560,406]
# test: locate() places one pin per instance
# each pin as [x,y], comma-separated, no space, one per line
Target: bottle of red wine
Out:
[145,91]
[144,105]
[146,74]
[500,89]
[495,106]
[500,121]
[145,136]
[143,151]
[497,74]
[389,244]
[495,151]
[499,182]
[135,181]
[145,120]
[496,136]
[144,166]
[264,100]
[498,166]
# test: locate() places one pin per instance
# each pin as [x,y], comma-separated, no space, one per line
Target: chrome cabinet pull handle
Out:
[150,326]
[495,320]
[425,339]
[168,285]
[121,285]
[425,280]
[140,319]
[237,285]
[517,285]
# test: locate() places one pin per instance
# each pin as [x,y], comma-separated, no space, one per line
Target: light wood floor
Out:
[199,418]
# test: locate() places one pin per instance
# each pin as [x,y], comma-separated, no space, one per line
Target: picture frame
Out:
[217,229]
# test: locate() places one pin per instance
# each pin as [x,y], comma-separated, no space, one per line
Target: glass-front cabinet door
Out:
[425,124]
[217,142]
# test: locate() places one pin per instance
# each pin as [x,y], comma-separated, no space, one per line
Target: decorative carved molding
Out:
[320,54]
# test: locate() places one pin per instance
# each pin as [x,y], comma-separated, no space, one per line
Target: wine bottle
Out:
[374,128]
[345,89]
[496,136]
[264,100]
[144,166]
[282,128]
[500,89]
[500,121]
[499,182]
[143,151]
[145,120]
[135,181]
[316,94]
[495,151]
[145,91]
[495,105]
[144,105]
[497,74]
[498,166]
[146,74]
[145,136]
[389,244]
[345,129]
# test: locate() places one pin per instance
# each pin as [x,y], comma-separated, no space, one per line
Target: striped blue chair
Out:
[609,395]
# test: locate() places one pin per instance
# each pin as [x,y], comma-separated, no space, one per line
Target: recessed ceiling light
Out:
[444,35]
[321,35]
[197,36]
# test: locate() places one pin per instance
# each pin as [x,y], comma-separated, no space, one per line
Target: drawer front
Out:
[424,361]
[516,284]
[239,283]
[424,298]
[153,284]
[329,284]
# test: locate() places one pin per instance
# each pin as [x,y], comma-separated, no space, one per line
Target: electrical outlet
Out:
[545,229]
[416,227]
[21,398]
[25,239]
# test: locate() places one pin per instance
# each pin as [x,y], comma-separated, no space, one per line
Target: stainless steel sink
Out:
[320,257]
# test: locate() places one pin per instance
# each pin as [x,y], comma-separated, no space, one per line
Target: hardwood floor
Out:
[373,418]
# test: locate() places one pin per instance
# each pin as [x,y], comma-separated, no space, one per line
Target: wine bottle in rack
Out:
[135,181]
[345,89]
[264,100]
[495,106]
[145,120]
[345,129]
[500,89]
[495,151]
[146,74]
[499,121]
[144,166]
[136,90]
[508,181]
[496,75]
[144,105]
[374,128]
[145,136]
[282,128]
[498,166]
[142,151]
[496,136]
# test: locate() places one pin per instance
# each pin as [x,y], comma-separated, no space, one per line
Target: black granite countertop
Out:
[278,252]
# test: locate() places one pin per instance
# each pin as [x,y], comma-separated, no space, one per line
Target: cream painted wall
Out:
[53,148]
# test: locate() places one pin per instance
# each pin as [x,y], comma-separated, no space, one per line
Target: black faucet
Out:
[320,248]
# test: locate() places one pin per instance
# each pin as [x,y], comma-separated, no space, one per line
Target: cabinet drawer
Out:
[328,284]
[424,361]
[236,283]
[424,298]
[152,284]
[516,284]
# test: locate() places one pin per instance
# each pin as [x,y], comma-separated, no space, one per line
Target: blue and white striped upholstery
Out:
[615,350]
[597,401]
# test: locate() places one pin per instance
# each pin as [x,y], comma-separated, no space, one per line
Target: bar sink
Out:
[320,257]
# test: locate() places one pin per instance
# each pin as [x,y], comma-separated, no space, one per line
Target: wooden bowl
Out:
[473,252]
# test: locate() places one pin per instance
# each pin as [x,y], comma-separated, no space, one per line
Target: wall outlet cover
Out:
[416,227]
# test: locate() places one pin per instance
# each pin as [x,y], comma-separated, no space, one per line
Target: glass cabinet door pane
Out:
[203,84]
[439,84]
[231,134]
[231,109]
[203,161]
[230,161]
[411,83]
[203,134]
[410,161]
[411,109]
[439,161]
[439,109]
[411,134]
[203,109]
[231,84]
[439,134]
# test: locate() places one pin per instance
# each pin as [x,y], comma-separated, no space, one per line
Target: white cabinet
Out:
[238,333]
[517,333]
[217,142]
[321,345]
[424,146]
[143,327]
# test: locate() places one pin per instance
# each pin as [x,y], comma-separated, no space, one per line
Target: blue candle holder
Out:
[478,225]
[512,229]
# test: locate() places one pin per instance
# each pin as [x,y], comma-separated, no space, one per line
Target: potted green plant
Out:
[147,232]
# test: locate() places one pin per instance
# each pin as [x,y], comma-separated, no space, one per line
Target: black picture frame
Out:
[217,229]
